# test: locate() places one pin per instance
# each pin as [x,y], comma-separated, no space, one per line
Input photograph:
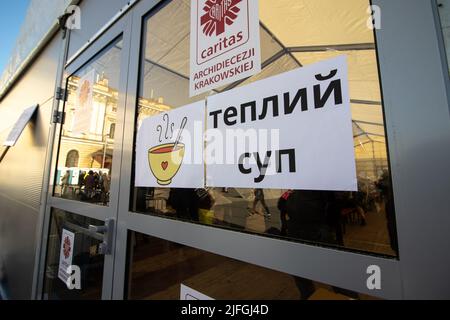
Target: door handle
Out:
[98,229]
[107,232]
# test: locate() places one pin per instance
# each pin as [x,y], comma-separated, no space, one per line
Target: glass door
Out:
[73,242]
[79,228]
[175,230]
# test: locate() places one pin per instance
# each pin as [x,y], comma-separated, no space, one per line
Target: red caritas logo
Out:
[67,247]
[219,13]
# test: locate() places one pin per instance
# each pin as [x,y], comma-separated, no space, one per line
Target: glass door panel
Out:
[70,239]
[82,208]
[86,147]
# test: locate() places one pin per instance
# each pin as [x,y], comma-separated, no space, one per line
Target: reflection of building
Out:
[94,149]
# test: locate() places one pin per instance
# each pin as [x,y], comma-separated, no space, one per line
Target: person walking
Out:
[282,206]
[65,183]
[259,197]
[106,186]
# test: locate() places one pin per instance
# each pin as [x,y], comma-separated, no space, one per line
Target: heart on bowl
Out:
[165,161]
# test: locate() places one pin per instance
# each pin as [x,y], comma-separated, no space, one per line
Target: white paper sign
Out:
[187,293]
[169,149]
[84,109]
[66,254]
[297,132]
[225,43]
[19,126]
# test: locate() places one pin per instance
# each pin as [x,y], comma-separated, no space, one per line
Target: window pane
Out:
[296,36]
[159,268]
[87,136]
[84,253]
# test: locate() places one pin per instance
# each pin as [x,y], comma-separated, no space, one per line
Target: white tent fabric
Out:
[294,33]
[318,22]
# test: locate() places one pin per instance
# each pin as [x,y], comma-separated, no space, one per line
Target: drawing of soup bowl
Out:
[165,161]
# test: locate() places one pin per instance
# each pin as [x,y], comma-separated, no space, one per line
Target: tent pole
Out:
[5,151]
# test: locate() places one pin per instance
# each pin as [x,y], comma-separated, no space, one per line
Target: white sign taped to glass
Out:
[290,131]
[83,116]
[187,293]
[225,43]
[66,254]
[169,149]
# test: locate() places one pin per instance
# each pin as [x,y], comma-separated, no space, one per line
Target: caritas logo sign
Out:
[219,14]
[225,44]
[67,247]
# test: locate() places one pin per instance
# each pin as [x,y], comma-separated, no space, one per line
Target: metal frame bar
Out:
[341,47]
[364,143]
[166,69]
[43,218]
[363,131]
[4,152]
[367,134]
[285,49]
[372,103]
[370,123]
[416,104]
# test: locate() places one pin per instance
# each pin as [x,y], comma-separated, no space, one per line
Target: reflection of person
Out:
[259,197]
[96,180]
[206,203]
[282,206]
[309,216]
[106,185]
[353,203]
[185,203]
[314,217]
[384,185]
[65,183]
[90,184]
[141,199]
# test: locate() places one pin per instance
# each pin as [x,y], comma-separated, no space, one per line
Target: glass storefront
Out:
[230,242]
[87,136]
[291,37]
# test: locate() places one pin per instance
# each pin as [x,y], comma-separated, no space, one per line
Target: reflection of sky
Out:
[160,83]
[106,65]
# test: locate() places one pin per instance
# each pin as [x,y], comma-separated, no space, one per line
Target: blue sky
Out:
[12,15]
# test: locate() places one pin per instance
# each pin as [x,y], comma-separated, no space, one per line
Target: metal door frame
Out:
[400,278]
[119,30]
[349,269]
